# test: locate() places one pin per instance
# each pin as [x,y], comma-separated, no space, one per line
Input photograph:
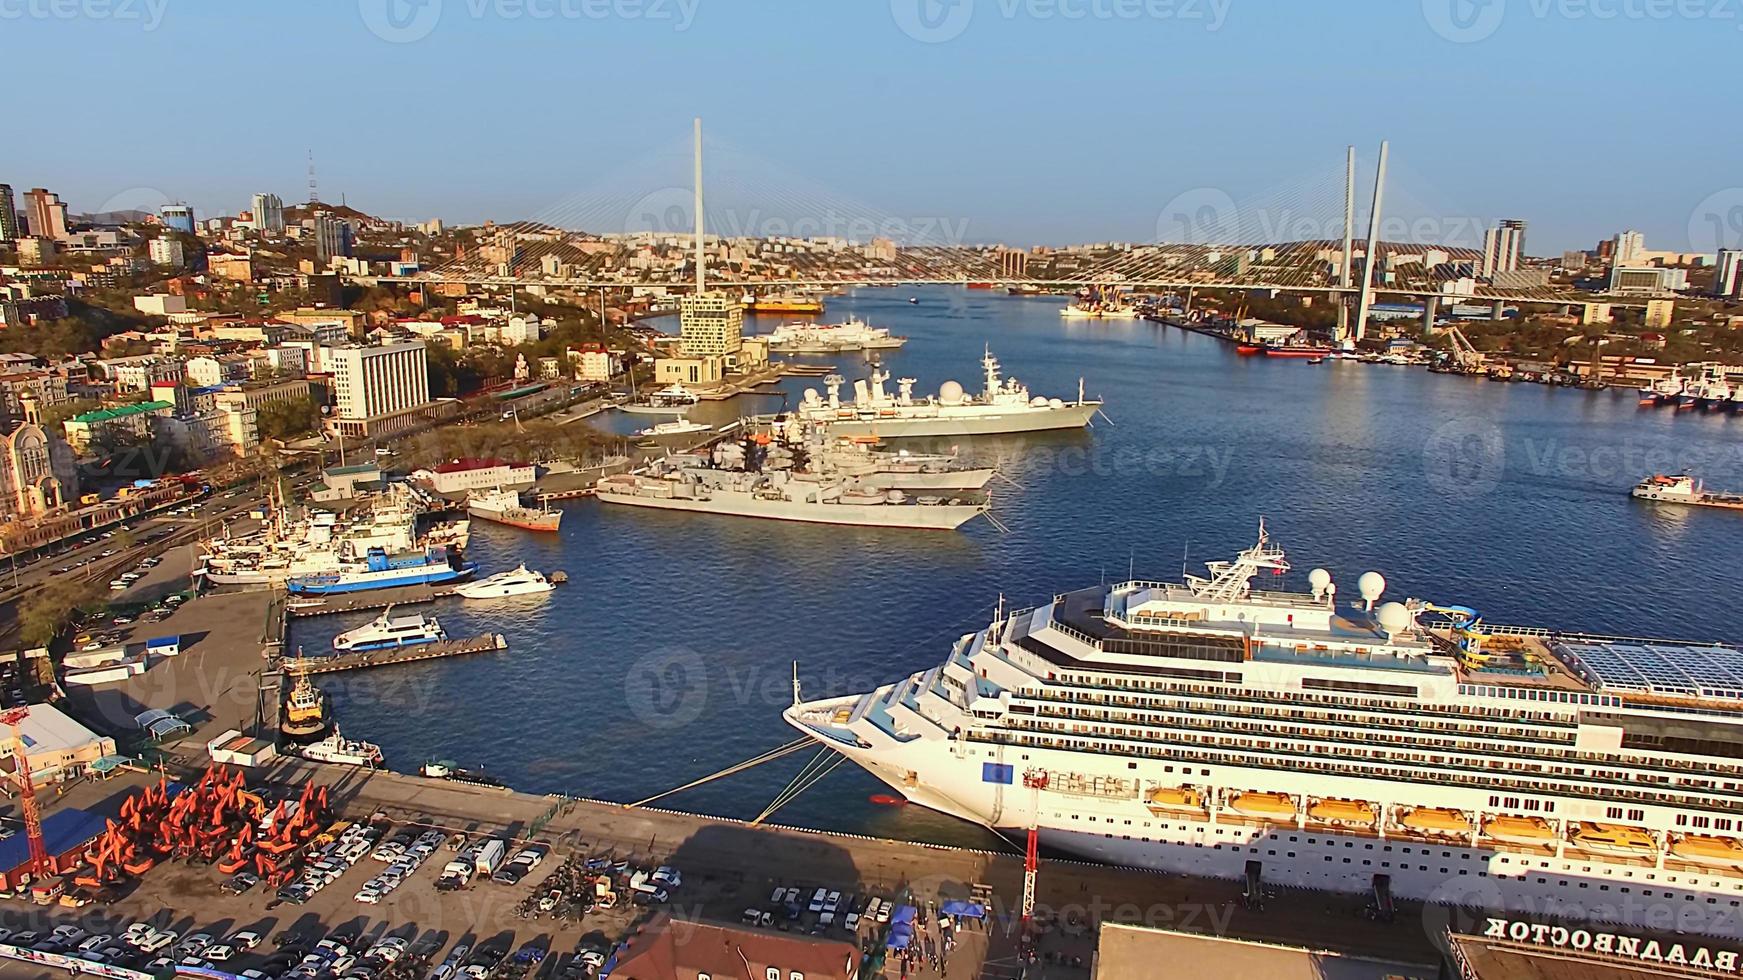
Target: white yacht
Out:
[1003,406]
[676,427]
[520,581]
[390,632]
[1207,727]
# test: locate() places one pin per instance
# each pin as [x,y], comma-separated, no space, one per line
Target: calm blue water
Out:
[668,656]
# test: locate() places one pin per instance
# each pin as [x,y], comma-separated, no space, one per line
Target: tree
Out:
[283,419]
[44,612]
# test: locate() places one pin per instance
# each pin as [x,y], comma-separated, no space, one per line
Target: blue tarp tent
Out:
[904,913]
[900,936]
[963,910]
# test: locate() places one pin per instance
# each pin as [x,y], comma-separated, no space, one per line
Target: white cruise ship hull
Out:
[939,517]
[926,422]
[1306,855]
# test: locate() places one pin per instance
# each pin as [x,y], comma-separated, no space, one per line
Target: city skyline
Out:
[1086,136]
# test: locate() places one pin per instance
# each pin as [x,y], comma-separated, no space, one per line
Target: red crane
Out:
[14,718]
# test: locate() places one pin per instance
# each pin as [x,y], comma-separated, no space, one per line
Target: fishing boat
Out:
[519,581]
[390,632]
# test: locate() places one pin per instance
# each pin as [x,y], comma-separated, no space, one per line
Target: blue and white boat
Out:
[390,632]
[380,570]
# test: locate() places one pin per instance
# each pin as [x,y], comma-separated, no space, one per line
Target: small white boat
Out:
[390,632]
[520,581]
[677,427]
[674,399]
[336,749]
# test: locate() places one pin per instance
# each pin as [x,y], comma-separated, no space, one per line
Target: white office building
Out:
[379,389]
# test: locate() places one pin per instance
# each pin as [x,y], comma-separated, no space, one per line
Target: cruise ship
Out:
[1206,727]
[1003,406]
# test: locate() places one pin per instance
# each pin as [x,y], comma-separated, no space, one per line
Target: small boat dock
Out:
[482,643]
[377,599]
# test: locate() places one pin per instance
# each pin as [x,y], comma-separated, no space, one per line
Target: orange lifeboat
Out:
[1267,806]
[1530,831]
[1348,812]
[1434,820]
[1611,838]
[1174,799]
[1725,852]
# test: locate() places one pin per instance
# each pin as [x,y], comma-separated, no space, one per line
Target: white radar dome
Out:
[1371,584]
[1055,403]
[1038,402]
[811,396]
[1393,617]
[950,393]
[1319,578]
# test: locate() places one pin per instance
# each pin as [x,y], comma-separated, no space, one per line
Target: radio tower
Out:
[314,194]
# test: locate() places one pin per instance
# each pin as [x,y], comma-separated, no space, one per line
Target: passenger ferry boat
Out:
[390,632]
[1206,727]
[380,570]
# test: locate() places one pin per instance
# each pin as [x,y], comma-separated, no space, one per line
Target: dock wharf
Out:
[380,599]
[482,643]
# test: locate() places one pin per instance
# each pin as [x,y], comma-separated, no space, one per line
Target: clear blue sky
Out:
[1028,125]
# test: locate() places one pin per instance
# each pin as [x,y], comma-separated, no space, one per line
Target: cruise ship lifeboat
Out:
[1530,831]
[1346,812]
[1722,852]
[1270,806]
[1609,838]
[1433,820]
[1164,800]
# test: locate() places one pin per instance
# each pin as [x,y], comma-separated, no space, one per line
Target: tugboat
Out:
[303,717]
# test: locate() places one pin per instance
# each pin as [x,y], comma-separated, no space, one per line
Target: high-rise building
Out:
[1630,247]
[178,216]
[8,214]
[1503,247]
[1728,276]
[165,250]
[332,237]
[374,384]
[46,212]
[710,323]
[268,213]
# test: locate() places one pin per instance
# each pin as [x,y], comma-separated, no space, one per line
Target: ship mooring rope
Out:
[734,769]
[799,784]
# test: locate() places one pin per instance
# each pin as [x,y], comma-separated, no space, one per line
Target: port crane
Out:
[13,719]
[1465,355]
